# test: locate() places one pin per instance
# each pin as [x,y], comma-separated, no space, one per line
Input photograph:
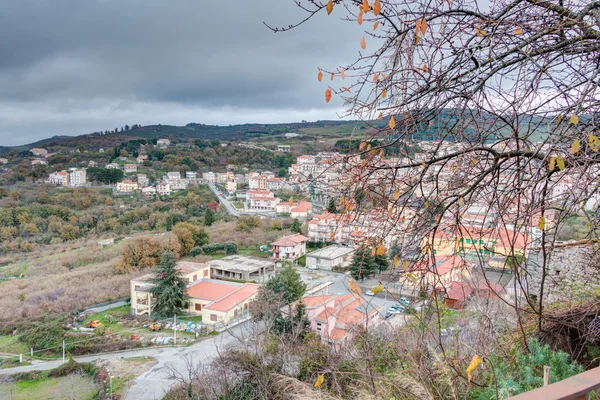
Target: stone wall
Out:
[573,272]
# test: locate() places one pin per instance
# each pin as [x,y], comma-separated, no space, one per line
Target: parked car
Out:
[94,324]
[388,315]
[397,306]
[394,311]
[369,293]
[312,267]
[404,301]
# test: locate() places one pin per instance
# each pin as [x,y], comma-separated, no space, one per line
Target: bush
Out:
[196,251]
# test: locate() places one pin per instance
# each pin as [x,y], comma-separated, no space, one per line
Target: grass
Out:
[43,388]
[237,205]
[11,344]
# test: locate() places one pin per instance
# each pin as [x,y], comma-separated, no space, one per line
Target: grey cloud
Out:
[65,57]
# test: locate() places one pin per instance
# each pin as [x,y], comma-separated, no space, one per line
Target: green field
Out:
[78,387]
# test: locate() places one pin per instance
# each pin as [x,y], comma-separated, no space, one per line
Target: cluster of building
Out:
[74,177]
[215,299]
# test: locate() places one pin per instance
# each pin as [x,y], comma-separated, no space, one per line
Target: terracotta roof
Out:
[234,299]
[449,264]
[211,290]
[458,291]
[495,287]
[302,206]
[326,313]
[338,334]
[313,301]
[291,240]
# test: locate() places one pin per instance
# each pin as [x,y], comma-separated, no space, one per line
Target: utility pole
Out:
[175,329]
[63,351]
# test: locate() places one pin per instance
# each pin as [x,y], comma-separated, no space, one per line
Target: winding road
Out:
[154,383]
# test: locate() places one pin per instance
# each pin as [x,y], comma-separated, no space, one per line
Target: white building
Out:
[149,191]
[59,178]
[38,152]
[142,180]
[127,186]
[112,166]
[77,177]
[163,188]
[163,143]
[289,247]
[330,257]
[209,177]
[38,161]
[284,148]
[129,168]
[3,161]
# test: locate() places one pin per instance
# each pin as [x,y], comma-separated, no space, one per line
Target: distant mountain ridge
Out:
[190,131]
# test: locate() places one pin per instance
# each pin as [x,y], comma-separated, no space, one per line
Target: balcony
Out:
[577,387]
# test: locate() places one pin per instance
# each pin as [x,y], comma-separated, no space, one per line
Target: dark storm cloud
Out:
[70,67]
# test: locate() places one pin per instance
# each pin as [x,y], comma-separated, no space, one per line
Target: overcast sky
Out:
[70,67]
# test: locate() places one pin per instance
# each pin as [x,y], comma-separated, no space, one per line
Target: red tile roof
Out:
[211,290]
[188,267]
[232,300]
[291,240]
[458,291]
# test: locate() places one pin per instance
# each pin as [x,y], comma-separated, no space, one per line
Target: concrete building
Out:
[77,177]
[3,161]
[126,186]
[217,301]
[289,248]
[59,178]
[337,319]
[231,186]
[112,166]
[39,161]
[244,268]
[38,152]
[141,158]
[163,143]
[209,177]
[330,257]
[163,188]
[284,148]
[142,180]
[130,168]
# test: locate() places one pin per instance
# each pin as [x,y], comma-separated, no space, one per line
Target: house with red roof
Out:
[337,318]
[289,248]
[217,301]
[429,275]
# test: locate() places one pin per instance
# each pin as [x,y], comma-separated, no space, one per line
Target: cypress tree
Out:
[169,288]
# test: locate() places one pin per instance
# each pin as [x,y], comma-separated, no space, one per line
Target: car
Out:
[369,293]
[312,267]
[394,311]
[388,315]
[404,301]
[398,306]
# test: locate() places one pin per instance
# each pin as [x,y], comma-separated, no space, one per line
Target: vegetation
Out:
[363,263]
[169,288]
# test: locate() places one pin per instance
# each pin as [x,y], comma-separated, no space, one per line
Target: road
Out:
[154,383]
[339,285]
[226,203]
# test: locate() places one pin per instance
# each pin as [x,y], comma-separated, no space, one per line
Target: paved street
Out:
[339,285]
[226,203]
[154,383]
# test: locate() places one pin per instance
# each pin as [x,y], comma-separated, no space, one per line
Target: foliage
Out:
[527,371]
[295,323]
[140,252]
[246,223]
[209,217]
[296,226]
[190,236]
[104,175]
[288,283]
[228,247]
[363,263]
[331,208]
[382,262]
[169,288]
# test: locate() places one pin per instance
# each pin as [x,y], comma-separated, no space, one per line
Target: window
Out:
[462,240]
[468,240]
[480,251]
[195,278]
[198,307]
[434,252]
[205,272]
[481,242]
[213,317]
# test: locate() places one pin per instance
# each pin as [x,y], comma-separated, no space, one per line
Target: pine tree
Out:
[331,208]
[288,283]
[296,226]
[363,263]
[209,217]
[382,262]
[169,288]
